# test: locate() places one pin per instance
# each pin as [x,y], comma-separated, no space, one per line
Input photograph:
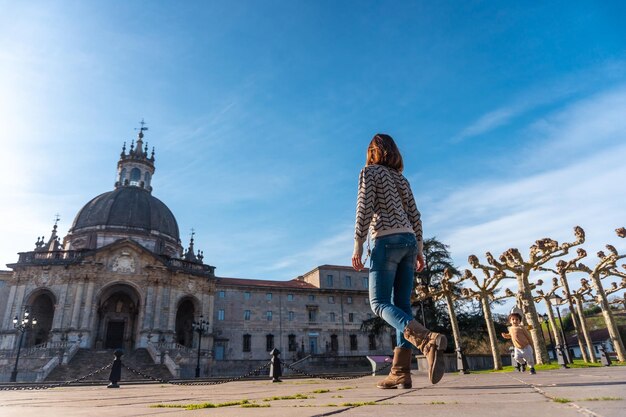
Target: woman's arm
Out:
[364,213]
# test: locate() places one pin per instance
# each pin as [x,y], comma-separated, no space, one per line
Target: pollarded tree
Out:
[546,297]
[542,252]
[449,292]
[485,292]
[607,266]
[580,297]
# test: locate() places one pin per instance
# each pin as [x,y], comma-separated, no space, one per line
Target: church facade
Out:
[120,278]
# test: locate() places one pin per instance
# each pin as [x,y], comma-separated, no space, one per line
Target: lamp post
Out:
[21,325]
[546,320]
[201,326]
[557,301]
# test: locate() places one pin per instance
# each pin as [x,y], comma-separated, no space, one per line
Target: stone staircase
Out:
[86,361]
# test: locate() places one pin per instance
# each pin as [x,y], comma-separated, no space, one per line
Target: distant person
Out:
[387,210]
[522,343]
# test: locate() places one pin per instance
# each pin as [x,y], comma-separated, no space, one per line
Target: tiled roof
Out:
[294,283]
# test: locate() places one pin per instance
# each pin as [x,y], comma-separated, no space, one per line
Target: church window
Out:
[220,314]
[122,175]
[146,178]
[135,176]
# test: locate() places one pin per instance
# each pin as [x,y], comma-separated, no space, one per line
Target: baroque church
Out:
[120,278]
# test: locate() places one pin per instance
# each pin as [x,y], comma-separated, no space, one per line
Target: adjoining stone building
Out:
[120,278]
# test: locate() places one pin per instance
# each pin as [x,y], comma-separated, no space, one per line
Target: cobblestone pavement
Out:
[568,392]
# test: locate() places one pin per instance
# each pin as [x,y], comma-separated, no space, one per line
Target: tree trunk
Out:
[491,329]
[456,334]
[574,317]
[555,332]
[539,345]
[611,326]
[583,327]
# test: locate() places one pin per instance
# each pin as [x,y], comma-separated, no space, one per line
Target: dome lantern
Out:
[135,168]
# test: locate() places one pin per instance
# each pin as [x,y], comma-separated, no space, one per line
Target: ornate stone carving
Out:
[123,264]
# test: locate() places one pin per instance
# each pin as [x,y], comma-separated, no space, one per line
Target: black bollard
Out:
[116,370]
[275,366]
[461,362]
[560,357]
[604,356]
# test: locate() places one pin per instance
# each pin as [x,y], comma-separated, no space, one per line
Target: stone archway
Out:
[184,319]
[41,307]
[118,310]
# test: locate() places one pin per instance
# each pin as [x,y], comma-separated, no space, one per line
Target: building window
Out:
[329,280]
[292,316]
[354,345]
[349,300]
[348,281]
[220,314]
[334,343]
[293,345]
[331,299]
[311,297]
[246,295]
[135,176]
[268,296]
[269,342]
[268,315]
[332,317]
[247,342]
[289,297]
[366,282]
[222,294]
[312,314]
[351,317]
[372,342]
[246,315]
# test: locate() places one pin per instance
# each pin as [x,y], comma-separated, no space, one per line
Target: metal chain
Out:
[60,384]
[221,381]
[301,372]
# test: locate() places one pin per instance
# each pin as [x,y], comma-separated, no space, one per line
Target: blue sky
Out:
[511,117]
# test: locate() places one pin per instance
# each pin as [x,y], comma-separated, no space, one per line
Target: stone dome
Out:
[128,210]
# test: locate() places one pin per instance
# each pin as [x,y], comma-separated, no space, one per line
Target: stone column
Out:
[88,305]
[19,300]
[156,308]
[8,316]
[171,322]
[78,301]
[57,322]
[147,321]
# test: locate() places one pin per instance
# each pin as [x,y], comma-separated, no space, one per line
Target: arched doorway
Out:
[118,308]
[184,319]
[41,308]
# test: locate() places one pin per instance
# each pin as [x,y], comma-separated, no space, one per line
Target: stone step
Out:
[86,361]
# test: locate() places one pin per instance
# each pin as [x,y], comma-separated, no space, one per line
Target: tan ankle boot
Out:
[400,375]
[432,346]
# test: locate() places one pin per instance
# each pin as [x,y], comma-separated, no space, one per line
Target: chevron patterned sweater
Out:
[385,205]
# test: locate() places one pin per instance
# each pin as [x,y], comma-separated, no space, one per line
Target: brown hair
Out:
[382,150]
[518,315]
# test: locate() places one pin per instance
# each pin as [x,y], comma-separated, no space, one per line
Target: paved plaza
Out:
[571,392]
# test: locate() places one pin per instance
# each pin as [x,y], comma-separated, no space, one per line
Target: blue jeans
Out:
[392,266]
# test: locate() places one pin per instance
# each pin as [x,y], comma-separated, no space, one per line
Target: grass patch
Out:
[359,404]
[289,397]
[578,363]
[321,391]
[603,399]
[255,405]
[345,388]
[561,400]
[201,405]
[337,396]
[437,402]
